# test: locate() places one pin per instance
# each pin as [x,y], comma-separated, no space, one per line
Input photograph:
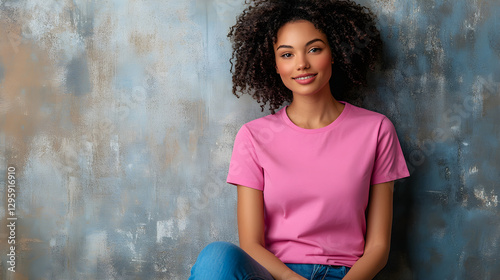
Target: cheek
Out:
[281,67]
[325,64]
[284,71]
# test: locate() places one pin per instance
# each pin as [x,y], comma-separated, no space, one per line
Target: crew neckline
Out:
[330,126]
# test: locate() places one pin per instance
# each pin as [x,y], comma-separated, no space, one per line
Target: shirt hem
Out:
[248,185]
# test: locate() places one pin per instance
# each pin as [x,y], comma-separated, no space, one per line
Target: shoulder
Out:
[365,115]
[272,122]
[368,120]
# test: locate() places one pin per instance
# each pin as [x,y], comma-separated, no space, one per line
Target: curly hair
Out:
[349,27]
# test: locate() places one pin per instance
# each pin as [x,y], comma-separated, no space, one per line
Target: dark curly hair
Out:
[352,35]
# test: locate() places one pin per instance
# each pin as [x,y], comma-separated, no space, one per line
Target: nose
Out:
[302,62]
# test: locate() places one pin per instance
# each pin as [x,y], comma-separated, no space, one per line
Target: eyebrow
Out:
[307,44]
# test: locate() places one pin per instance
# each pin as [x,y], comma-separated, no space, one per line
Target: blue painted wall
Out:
[119,120]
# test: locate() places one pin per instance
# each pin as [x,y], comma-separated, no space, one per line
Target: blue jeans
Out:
[226,261]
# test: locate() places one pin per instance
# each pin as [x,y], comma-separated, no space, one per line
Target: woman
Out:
[315,179]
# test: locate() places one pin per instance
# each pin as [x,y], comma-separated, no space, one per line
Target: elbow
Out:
[384,254]
[380,253]
[245,246]
[384,259]
[249,247]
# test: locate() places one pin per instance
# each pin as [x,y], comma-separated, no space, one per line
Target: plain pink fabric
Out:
[316,181]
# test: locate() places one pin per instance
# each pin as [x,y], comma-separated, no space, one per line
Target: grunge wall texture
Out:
[119,119]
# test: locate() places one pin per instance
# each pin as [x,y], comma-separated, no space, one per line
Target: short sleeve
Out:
[389,163]
[244,168]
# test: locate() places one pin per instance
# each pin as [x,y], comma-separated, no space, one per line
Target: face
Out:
[303,58]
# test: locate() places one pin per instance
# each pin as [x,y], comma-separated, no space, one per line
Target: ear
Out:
[277,71]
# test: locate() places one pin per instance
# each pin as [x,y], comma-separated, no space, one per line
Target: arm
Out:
[251,233]
[378,233]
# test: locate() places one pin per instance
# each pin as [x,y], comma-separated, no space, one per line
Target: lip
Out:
[309,78]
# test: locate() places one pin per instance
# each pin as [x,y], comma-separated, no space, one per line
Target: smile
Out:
[304,78]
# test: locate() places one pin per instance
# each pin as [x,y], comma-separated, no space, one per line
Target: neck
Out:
[315,110]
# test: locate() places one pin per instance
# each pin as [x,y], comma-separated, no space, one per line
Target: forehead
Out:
[297,32]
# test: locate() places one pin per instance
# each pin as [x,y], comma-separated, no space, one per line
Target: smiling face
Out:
[303,58]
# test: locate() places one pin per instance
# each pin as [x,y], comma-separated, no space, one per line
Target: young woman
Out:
[315,179]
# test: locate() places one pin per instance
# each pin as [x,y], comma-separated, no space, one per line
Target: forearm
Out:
[369,264]
[274,265]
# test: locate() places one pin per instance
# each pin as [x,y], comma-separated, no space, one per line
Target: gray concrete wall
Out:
[119,121]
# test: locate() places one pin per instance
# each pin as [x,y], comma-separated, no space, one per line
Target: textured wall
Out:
[119,121]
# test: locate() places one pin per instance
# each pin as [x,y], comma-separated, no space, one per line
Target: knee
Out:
[219,251]
[215,261]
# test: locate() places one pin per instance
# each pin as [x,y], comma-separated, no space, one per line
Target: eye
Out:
[314,50]
[286,55]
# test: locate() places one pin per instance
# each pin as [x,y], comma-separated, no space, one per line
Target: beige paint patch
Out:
[31,102]
[166,153]
[199,121]
[143,43]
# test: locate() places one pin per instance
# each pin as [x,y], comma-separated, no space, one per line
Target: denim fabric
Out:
[319,271]
[226,261]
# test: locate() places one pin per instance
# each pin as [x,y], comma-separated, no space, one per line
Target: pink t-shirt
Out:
[316,181]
